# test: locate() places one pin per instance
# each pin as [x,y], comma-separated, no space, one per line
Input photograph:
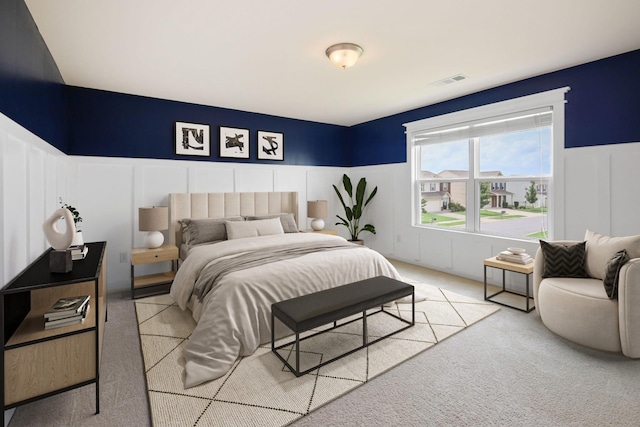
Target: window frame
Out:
[555,99]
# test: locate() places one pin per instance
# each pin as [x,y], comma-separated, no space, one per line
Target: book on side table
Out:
[79,252]
[518,258]
[67,311]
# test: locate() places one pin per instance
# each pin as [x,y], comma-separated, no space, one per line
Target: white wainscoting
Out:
[34,175]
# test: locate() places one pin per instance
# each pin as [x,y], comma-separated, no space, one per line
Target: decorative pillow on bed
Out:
[600,249]
[261,227]
[196,231]
[612,273]
[287,220]
[562,260]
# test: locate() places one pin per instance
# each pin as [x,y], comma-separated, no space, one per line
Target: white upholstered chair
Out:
[580,310]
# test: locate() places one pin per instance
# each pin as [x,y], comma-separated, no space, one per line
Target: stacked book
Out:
[79,251]
[67,311]
[519,258]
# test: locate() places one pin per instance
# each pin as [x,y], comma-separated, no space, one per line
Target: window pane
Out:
[521,153]
[448,156]
[444,208]
[514,208]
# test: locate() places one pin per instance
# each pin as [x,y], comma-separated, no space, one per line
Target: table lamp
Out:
[317,209]
[153,219]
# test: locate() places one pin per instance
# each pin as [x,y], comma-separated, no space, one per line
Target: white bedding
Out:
[235,316]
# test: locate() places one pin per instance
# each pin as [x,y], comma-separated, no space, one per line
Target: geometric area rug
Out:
[259,390]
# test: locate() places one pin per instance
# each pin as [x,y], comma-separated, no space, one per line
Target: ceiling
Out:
[269,56]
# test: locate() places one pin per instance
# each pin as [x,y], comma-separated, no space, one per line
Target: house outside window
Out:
[496,164]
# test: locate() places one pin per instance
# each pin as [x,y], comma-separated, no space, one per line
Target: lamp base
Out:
[153,239]
[317,224]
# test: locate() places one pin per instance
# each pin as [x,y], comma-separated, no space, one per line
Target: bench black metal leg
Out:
[297,354]
[364,328]
[413,308]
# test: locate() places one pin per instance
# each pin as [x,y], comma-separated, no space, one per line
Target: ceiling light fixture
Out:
[344,55]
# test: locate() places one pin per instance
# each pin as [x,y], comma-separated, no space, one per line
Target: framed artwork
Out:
[270,145]
[192,139]
[234,142]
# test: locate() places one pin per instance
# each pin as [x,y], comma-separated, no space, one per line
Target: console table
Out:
[38,363]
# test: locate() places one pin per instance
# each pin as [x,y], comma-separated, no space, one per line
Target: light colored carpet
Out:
[259,390]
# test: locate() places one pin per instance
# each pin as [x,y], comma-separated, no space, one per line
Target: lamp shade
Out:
[154,218]
[317,209]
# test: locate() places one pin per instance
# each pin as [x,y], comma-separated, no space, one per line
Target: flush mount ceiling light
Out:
[344,55]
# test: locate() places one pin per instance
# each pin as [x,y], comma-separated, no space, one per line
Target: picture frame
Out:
[234,142]
[192,139]
[270,145]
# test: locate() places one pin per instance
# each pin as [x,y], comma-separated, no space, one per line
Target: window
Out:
[496,164]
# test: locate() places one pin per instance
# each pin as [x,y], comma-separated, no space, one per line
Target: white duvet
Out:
[235,316]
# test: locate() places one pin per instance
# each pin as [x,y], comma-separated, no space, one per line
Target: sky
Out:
[519,153]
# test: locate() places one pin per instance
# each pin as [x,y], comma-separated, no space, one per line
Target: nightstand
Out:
[150,281]
[526,269]
[325,231]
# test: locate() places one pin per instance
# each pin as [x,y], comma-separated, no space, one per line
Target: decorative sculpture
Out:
[58,240]
[60,258]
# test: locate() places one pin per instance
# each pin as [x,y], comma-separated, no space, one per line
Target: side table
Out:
[148,256]
[526,269]
[323,231]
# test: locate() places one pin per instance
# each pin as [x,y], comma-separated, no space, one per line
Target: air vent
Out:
[449,80]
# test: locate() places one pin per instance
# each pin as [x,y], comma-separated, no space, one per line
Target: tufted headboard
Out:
[223,205]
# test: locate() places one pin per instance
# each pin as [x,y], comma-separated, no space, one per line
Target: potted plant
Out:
[355,208]
[77,239]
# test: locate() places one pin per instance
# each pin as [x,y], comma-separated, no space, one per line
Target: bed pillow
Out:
[612,273]
[600,249]
[287,220]
[206,230]
[561,260]
[262,227]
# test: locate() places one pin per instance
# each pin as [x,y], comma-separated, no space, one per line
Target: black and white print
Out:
[234,142]
[270,145]
[192,139]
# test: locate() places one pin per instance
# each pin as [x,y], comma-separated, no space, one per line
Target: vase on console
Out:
[78,239]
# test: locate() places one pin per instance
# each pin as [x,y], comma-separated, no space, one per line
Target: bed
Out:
[240,253]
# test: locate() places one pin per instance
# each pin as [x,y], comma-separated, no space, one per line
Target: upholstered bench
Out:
[310,311]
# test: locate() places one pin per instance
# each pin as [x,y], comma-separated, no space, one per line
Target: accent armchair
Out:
[575,304]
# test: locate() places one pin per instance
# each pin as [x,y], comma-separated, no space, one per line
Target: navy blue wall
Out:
[603,108]
[31,87]
[118,125]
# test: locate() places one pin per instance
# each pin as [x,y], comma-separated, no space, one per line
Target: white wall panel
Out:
[25,160]
[436,249]
[293,179]
[16,233]
[581,193]
[160,179]
[319,186]
[106,206]
[625,197]
[380,212]
[36,201]
[252,179]
[211,180]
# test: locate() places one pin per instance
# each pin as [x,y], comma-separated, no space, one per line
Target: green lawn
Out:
[426,218]
[538,235]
